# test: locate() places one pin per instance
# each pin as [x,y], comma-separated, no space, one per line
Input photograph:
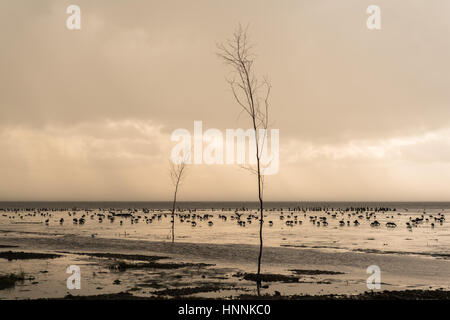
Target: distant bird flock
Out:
[242,217]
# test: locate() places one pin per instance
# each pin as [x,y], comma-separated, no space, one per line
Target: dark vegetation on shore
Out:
[11,255]
[314,272]
[178,292]
[121,256]
[368,295]
[121,265]
[9,280]
[267,277]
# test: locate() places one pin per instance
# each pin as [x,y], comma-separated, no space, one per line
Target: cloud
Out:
[333,80]
[430,147]
[88,114]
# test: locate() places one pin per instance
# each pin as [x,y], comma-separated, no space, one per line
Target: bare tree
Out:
[252,95]
[177,172]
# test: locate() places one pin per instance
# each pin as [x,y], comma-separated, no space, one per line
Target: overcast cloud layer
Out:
[87,115]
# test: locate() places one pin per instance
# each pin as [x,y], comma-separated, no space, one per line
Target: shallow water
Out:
[416,256]
[419,239]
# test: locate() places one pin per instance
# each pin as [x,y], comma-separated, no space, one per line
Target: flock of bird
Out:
[318,216]
[355,218]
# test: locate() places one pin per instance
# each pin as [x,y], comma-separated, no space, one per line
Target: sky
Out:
[363,115]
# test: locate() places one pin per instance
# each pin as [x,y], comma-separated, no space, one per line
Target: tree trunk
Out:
[173,213]
[258,283]
[261,212]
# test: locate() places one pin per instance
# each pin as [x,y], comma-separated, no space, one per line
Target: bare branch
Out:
[238,54]
[177,173]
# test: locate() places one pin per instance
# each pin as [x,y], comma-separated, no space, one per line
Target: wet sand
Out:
[190,270]
[314,252]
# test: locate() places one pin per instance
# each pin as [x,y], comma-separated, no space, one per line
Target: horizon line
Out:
[256,201]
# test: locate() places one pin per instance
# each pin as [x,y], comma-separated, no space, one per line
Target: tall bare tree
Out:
[177,172]
[252,95]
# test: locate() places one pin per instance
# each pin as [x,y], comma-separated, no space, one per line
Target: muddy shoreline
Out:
[234,252]
[384,295]
[121,269]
